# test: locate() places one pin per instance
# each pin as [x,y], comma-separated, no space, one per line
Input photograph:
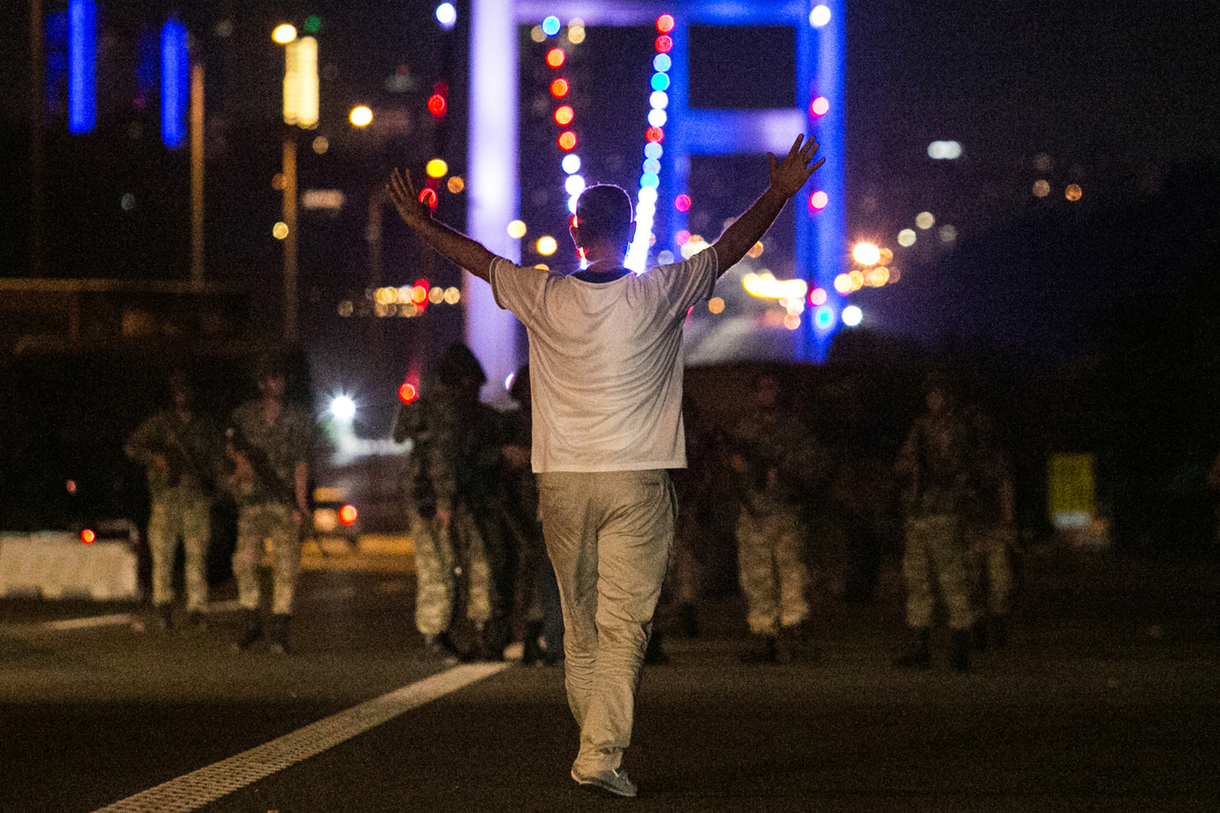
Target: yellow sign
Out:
[1071,497]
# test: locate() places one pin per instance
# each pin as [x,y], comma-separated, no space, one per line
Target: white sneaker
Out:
[613,782]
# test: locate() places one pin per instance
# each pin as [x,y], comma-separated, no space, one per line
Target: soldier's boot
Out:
[533,651]
[251,630]
[277,633]
[761,649]
[438,647]
[959,650]
[793,644]
[981,633]
[165,616]
[485,649]
[654,654]
[919,656]
[688,620]
[999,631]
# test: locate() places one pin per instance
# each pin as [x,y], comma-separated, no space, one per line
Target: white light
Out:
[572,204]
[906,237]
[508,381]
[648,194]
[657,118]
[852,316]
[944,150]
[446,15]
[574,185]
[571,163]
[819,16]
[925,220]
[659,100]
[645,209]
[343,408]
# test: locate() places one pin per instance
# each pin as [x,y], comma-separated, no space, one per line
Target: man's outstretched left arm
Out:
[454,246]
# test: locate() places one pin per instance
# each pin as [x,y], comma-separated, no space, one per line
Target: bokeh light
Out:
[407,392]
[654,134]
[852,316]
[436,168]
[571,163]
[537,34]
[564,115]
[1074,192]
[817,297]
[576,32]
[428,196]
[665,23]
[948,234]
[551,26]
[361,116]
[546,245]
[866,253]
[284,33]
[516,229]
[456,184]
[820,16]
[280,230]
[559,88]
[321,145]
[906,238]
[567,140]
[925,220]
[843,284]
[446,15]
[819,106]
[818,201]
[682,203]
[348,514]
[664,44]
[452,296]
[1042,188]
[555,57]
[755,251]
[715,305]
[662,63]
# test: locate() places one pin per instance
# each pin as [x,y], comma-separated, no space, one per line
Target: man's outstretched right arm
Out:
[454,246]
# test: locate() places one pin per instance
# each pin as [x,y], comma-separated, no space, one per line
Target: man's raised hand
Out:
[788,176]
[406,200]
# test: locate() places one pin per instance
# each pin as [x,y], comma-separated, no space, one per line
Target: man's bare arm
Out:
[787,178]
[454,246]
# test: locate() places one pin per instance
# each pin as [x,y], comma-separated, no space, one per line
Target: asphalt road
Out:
[1107,698]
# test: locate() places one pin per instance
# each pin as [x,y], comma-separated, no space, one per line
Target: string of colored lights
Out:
[650,175]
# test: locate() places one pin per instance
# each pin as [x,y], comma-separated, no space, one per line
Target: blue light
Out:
[175,81]
[550,26]
[660,81]
[824,317]
[662,63]
[650,179]
[652,149]
[652,165]
[82,66]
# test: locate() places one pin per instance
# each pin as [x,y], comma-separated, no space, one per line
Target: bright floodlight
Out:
[361,116]
[343,408]
[866,254]
[944,150]
[446,15]
[852,316]
[284,33]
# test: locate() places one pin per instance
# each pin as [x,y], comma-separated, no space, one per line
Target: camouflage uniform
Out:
[181,495]
[265,509]
[779,451]
[991,531]
[451,474]
[936,461]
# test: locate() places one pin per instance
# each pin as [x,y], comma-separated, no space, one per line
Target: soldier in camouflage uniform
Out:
[455,455]
[936,466]
[774,456]
[182,452]
[271,444]
[992,534]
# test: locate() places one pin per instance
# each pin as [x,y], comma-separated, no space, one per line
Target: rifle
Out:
[263,470]
[179,460]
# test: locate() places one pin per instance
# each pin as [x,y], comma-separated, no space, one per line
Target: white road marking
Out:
[196,789]
[86,623]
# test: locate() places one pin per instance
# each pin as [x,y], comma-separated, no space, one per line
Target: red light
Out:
[567,140]
[564,116]
[817,297]
[407,393]
[87,536]
[428,196]
[436,105]
[574,222]
[682,203]
[664,44]
[819,106]
[347,514]
[654,134]
[70,486]
[665,23]
[818,201]
[559,88]
[555,57]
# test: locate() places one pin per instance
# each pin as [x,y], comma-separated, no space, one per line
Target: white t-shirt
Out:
[606,362]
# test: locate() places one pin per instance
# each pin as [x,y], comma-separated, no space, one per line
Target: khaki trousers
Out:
[608,535]
[256,523]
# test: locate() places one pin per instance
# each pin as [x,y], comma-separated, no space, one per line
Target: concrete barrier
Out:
[58,565]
